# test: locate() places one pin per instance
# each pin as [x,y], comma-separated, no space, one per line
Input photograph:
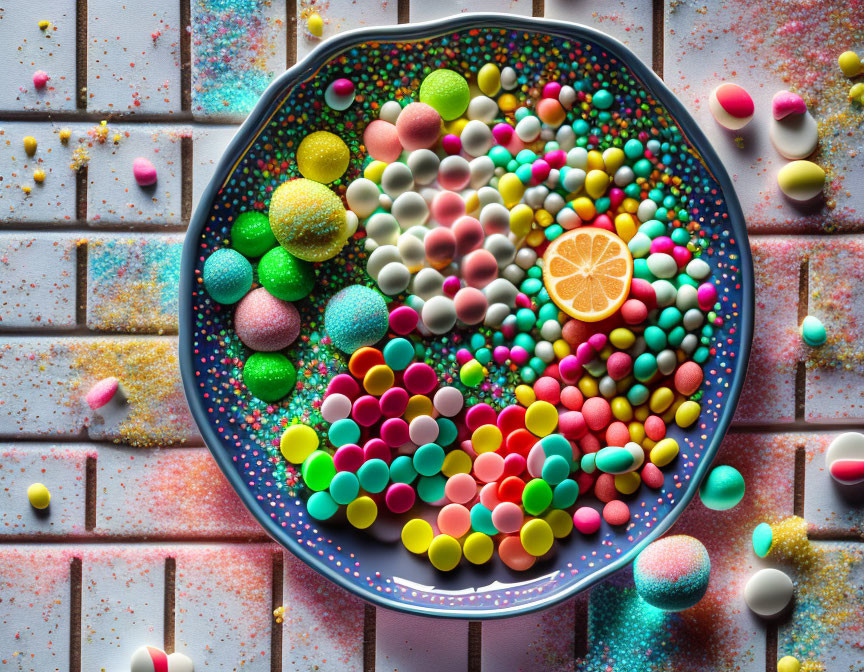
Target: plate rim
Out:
[426,30]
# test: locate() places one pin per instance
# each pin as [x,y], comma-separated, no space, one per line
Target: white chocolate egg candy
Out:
[731,106]
[845,458]
[151,659]
[795,136]
[768,592]
[801,180]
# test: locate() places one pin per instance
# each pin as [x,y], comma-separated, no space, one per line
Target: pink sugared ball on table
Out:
[399,497]
[454,519]
[597,412]
[144,172]
[634,311]
[572,425]
[507,517]
[460,488]
[265,323]
[382,141]
[617,434]
[440,246]
[586,520]
[40,79]
[619,365]
[616,512]
[470,305]
[403,320]
[488,467]
[548,389]
[418,126]
[479,268]
[447,207]
[469,234]
[572,398]
[514,465]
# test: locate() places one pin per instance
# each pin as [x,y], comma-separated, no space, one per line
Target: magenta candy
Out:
[662,245]
[540,170]
[514,464]
[681,255]
[343,87]
[451,144]
[451,286]
[501,354]
[523,300]
[551,90]
[40,79]
[548,389]
[344,384]
[570,369]
[502,133]
[366,411]
[706,295]
[420,378]
[463,356]
[519,355]
[586,520]
[597,341]
[393,402]
[102,392]
[604,222]
[399,497]
[394,432]
[469,235]
[616,197]
[785,103]
[619,365]
[584,353]
[376,449]
[572,425]
[403,320]
[556,158]
[348,457]
[265,323]
[144,172]
[642,290]
[479,415]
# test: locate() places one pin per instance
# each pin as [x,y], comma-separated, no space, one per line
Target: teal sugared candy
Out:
[672,573]
[813,331]
[251,234]
[318,470]
[321,505]
[447,92]
[722,489]
[285,276]
[398,353]
[269,375]
[763,539]
[374,475]
[344,487]
[355,317]
[227,276]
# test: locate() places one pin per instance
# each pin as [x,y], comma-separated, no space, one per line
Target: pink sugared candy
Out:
[731,106]
[785,103]
[144,172]
[102,392]
[382,141]
[418,126]
[265,323]
[40,79]
[586,520]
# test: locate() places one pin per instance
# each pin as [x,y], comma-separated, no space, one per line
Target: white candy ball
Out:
[482,108]
[482,170]
[574,179]
[768,592]
[577,158]
[489,195]
[393,278]
[423,164]
[624,176]
[567,96]
[501,248]
[553,203]
[351,223]
[383,228]
[410,209]
[397,179]
[439,314]
[495,314]
[427,283]
[566,138]
[448,401]
[390,111]
[362,197]
[380,257]
[455,172]
[501,291]
[513,273]
[335,407]
[509,79]
[412,250]
[476,138]
[526,258]
[528,129]
[495,218]
[544,351]
[551,330]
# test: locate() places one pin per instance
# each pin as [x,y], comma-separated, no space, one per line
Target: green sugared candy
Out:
[318,470]
[374,475]
[321,506]
[227,276]
[269,375]
[536,497]
[763,539]
[447,92]
[722,489]
[344,487]
[285,276]
[813,331]
[398,353]
[251,234]
[428,459]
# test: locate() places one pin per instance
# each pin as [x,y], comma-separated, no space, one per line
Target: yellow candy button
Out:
[478,548]
[417,535]
[456,462]
[536,537]
[39,496]
[664,451]
[525,395]
[561,523]
[362,512]
[298,442]
[627,483]
[444,552]
[541,418]
[687,413]
[486,439]
[417,405]
[378,380]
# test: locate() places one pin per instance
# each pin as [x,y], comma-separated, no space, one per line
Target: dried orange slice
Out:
[587,272]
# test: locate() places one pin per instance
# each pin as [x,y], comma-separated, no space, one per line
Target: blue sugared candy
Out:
[227,276]
[672,573]
[722,489]
[354,317]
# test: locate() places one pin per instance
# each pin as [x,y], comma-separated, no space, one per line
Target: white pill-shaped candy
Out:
[410,209]
[624,176]
[698,269]
[692,319]
[501,291]
[577,158]
[383,228]
[396,179]
[423,164]
[439,314]
[427,283]
[501,247]
[844,457]
[393,279]
[662,265]
[496,314]
[180,662]
[476,138]
[488,195]
[482,108]
[526,258]
[448,401]
[495,218]
[665,292]
[390,111]
[567,96]
[553,203]
[544,351]
[551,330]
[667,362]
[412,250]
[689,344]
[512,273]
[795,136]
[362,197]
[509,79]
[423,429]
[566,138]
[768,592]
[568,218]
[528,128]
[639,245]
[687,298]
[574,179]
[380,257]
[351,223]
[646,210]
[482,169]
[335,407]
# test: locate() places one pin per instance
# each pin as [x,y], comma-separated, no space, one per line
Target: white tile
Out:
[404,643]
[421,10]
[208,145]
[339,16]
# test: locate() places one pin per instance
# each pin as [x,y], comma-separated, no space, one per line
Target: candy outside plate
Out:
[241,432]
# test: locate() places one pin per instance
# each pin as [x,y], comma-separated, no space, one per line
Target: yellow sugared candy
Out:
[596,183]
[315,24]
[417,535]
[687,413]
[541,418]
[486,439]
[489,79]
[478,548]
[298,442]
[362,512]
[801,180]
[788,664]
[378,379]
[664,451]
[308,220]
[627,483]
[39,496]
[322,156]
[850,64]
[39,176]
[30,145]
[65,134]
[444,552]
[536,537]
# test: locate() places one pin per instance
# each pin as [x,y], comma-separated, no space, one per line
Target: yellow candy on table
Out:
[417,535]
[561,348]
[622,338]
[315,24]
[661,399]
[850,64]
[788,664]
[857,93]
[541,418]
[39,496]
[535,238]
[625,227]
[39,176]
[521,216]
[322,156]
[444,552]
[648,444]
[621,409]
[561,523]
[417,405]
[801,180]
[511,189]
[669,415]
[374,171]
[298,442]
[536,537]
[456,462]
[630,205]
[486,439]
[664,451]
[489,79]
[627,483]
[687,413]
[362,512]
[30,145]
[595,161]
[588,386]
[378,380]
[642,412]
[613,159]
[478,548]
[637,432]
[543,218]
[525,395]
[584,207]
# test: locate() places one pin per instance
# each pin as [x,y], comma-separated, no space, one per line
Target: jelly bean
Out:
[536,537]
[298,442]
[478,548]
[318,470]
[664,452]
[586,520]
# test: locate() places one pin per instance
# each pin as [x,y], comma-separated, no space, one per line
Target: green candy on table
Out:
[285,276]
[722,489]
[321,506]
[269,375]
[813,331]
[344,487]
[251,234]
[318,470]
[536,497]
[447,92]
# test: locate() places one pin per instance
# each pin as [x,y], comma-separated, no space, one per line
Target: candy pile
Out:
[545,303]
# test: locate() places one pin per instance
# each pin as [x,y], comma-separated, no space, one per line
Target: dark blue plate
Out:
[242,432]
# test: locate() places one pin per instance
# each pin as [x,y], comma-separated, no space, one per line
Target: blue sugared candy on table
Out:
[672,573]
[763,539]
[354,317]
[722,489]
[813,331]
[227,276]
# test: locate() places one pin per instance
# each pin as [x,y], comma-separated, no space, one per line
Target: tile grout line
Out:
[658,36]
[185,56]
[76,578]
[370,634]
[81,54]
[81,256]
[798,484]
[169,617]
[403,11]
[290,33]
[277,586]
[538,8]
[801,367]
[475,646]
[580,621]
[771,646]
[90,493]
[187,158]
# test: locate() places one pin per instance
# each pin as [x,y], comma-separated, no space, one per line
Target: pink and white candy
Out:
[731,106]
[102,393]
[845,458]
[151,659]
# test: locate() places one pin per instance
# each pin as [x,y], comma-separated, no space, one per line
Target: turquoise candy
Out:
[343,432]
[447,431]
[398,353]
[669,318]
[354,317]
[722,489]
[763,539]
[638,394]
[587,463]
[556,444]
[227,276]
[428,459]
[653,228]
[641,270]
[614,460]
[565,493]
[374,475]
[555,469]
[644,367]
[344,487]
[481,520]
[402,470]
[602,99]
[321,506]
[655,338]
[813,331]
[634,149]
[431,488]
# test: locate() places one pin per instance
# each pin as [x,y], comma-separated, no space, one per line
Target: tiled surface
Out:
[152,513]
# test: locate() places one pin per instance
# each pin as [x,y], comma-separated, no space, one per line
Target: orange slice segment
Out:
[587,272]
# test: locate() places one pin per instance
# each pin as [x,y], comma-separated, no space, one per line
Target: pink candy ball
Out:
[619,365]
[617,434]
[418,126]
[540,171]
[655,428]
[662,245]
[643,291]
[366,411]
[460,488]
[451,144]
[572,398]
[454,519]
[548,389]
[382,141]
[403,320]
[420,378]
[556,158]
[597,413]
[348,457]
[616,512]
[399,497]
[265,323]
[488,467]
[470,305]
[393,402]
[489,496]
[479,268]
[463,356]
[586,520]
[514,465]
[144,172]
[343,87]
[343,384]
[652,476]
[451,285]
[519,355]
[706,295]
[634,311]
[551,90]
[469,234]
[616,197]
[376,449]
[394,432]
[572,425]
[40,79]
[501,354]
[570,369]
[440,246]
[447,207]
[503,133]
[681,255]
[479,415]
[102,392]
[507,517]
[510,419]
